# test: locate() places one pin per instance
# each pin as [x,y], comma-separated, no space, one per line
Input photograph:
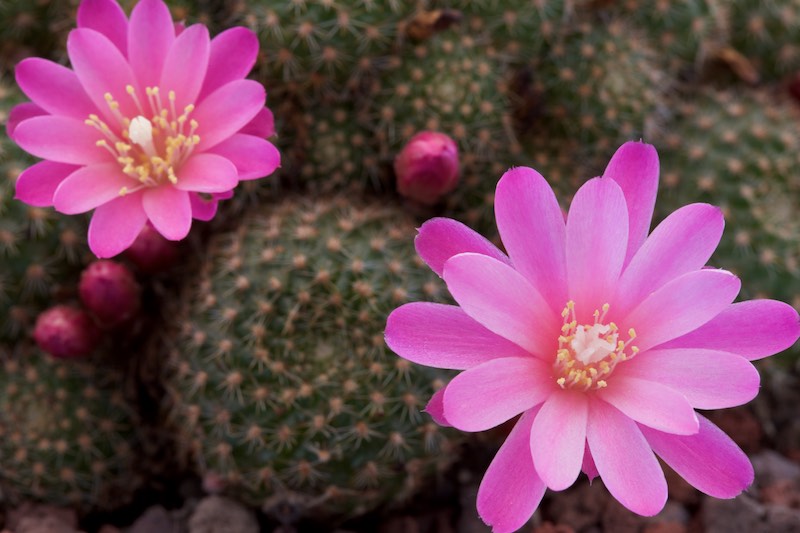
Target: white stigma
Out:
[141,132]
[593,344]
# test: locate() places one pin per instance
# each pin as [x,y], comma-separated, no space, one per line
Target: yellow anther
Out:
[561,382]
[188,109]
[101,143]
[129,89]
[606,307]
[632,333]
[123,191]
[108,97]
[171,95]
[634,350]
[570,305]
[601,384]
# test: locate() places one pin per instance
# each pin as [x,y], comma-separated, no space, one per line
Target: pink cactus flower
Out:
[154,122]
[604,339]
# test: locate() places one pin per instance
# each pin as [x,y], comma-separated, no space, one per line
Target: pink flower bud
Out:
[151,252]
[64,332]
[110,292]
[427,167]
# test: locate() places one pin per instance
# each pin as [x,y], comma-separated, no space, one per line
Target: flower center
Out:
[588,354]
[149,150]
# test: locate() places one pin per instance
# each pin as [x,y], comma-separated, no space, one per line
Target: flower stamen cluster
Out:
[156,146]
[588,354]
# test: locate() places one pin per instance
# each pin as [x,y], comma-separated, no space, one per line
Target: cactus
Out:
[65,431]
[741,150]
[767,33]
[281,374]
[42,251]
[602,84]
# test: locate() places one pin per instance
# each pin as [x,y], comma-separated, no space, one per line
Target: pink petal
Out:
[116,225]
[597,236]
[233,54]
[635,168]
[90,187]
[532,228]
[37,184]
[682,305]
[627,465]
[101,69]
[150,37]
[708,379]
[709,460]
[502,300]
[262,125]
[106,17]
[511,490]
[683,242]
[443,336]
[254,157]
[588,465]
[54,88]
[207,173]
[169,210]
[202,208]
[435,408]
[226,110]
[439,239]
[60,139]
[19,113]
[558,438]
[650,403]
[491,393]
[185,65]
[754,329]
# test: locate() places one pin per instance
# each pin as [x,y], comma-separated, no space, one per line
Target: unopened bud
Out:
[65,332]
[427,167]
[110,292]
[151,252]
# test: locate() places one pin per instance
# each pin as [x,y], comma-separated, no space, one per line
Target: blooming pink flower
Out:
[155,122]
[603,338]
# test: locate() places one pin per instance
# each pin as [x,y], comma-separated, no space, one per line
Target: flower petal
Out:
[597,236]
[60,139]
[650,403]
[627,465]
[439,239]
[254,157]
[207,173]
[185,65]
[635,168]
[108,18]
[19,113]
[101,69]
[202,208]
[683,242]
[558,438]
[169,210]
[503,301]
[682,305]
[487,395]
[709,460]
[435,408]
[443,336]
[38,183]
[150,36]
[532,228]
[233,54]
[754,329]
[511,490]
[262,125]
[54,88]
[226,110]
[708,379]
[116,225]
[90,187]
[588,465]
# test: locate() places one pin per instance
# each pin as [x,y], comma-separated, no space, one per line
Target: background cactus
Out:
[282,378]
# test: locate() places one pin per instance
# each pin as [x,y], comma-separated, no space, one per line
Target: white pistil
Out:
[141,132]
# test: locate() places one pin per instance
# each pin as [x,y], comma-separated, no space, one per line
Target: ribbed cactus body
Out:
[283,382]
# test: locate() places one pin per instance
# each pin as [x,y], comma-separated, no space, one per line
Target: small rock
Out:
[155,520]
[742,514]
[771,466]
[41,518]
[216,514]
